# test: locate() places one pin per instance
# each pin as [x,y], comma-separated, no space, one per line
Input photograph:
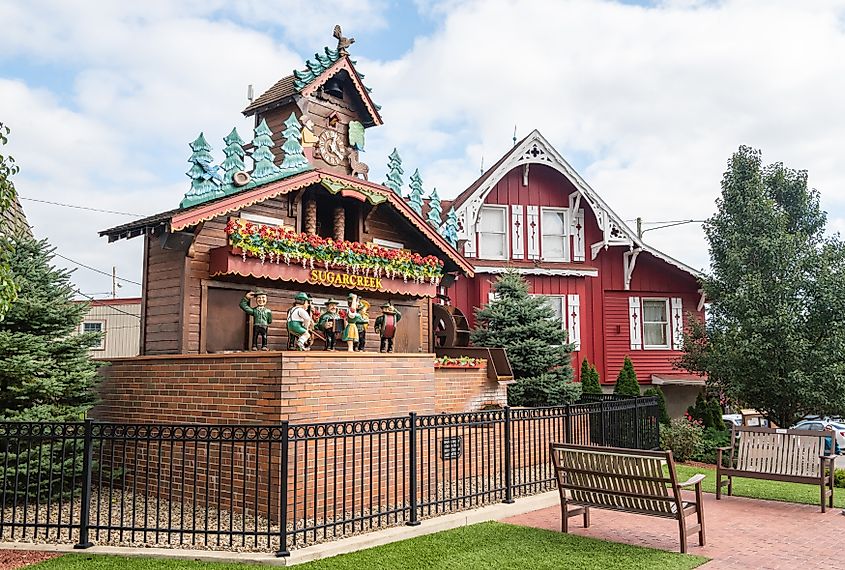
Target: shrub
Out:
[839,478]
[712,438]
[682,437]
[626,382]
[661,403]
[589,379]
[708,411]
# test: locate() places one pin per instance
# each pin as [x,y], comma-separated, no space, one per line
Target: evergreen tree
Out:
[205,182]
[263,165]
[394,172]
[626,382]
[434,209]
[8,288]
[450,228]
[589,379]
[294,160]
[663,415]
[527,327]
[46,373]
[415,199]
[235,154]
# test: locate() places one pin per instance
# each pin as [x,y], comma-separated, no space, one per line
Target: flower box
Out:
[461,362]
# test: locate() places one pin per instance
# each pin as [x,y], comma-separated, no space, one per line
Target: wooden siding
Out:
[162,298]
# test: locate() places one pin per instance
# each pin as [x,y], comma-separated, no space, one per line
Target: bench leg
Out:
[823,487]
[699,513]
[586,517]
[682,526]
[718,483]
[730,486]
[564,518]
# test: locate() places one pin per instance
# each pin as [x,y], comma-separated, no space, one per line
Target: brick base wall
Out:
[301,387]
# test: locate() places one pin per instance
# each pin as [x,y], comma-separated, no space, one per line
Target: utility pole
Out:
[113,282]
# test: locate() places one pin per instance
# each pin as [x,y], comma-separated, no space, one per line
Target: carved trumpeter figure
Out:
[299,321]
[386,326]
[261,317]
[328,323]
[352,319]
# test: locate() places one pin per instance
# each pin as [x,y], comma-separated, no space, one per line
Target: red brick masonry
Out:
[741,533]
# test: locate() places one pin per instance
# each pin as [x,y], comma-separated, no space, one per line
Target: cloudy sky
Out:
[647,100]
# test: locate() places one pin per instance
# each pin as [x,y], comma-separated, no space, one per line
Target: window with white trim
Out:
[555,227]
[96,327]
[558,305]
[493,232]
[655,319]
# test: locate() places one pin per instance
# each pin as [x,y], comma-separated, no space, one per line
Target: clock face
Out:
[331,147]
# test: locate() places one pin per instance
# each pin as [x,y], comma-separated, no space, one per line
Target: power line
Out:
[95,269]
[80,207]
[115,309]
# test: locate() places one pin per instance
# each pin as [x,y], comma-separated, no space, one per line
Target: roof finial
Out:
[342,42]
[514,135]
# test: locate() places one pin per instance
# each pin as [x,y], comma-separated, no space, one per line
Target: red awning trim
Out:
[223,262]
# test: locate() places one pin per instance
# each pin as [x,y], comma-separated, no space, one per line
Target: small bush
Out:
[589,379]
[711,439]
[683,438]
[661,403]
[839,478]
[708,411]
[627,383]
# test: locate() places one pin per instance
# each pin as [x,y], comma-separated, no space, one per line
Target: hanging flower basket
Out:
[272,244]
[459,362]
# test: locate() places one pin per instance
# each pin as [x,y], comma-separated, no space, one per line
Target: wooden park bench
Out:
[796,456]
[626,480]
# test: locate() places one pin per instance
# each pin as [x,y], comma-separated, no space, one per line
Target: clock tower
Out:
[332,104]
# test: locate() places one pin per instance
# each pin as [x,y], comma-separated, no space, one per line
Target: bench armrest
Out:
[694,480]
[728,448]
[828,457]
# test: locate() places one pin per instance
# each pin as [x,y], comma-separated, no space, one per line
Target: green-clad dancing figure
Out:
[261,317]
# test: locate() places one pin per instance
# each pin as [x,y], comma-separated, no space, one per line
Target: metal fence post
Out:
[414,519]
[283,494]
[508,465]
[639,423]
[85,507]
[567,427]
[603,423]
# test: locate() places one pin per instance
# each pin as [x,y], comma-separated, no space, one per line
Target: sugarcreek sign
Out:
[337,279]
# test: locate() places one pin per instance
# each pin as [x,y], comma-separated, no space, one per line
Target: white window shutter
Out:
[517,232]
[636,326]
[573,320]
[677,323]
[532,231]
[491,296]
[578,236]
[469,245]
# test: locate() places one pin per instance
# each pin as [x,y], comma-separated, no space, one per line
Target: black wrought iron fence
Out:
[284,486]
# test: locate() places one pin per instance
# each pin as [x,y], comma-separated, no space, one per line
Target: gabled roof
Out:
[305,83]
[181,219]
[535,149]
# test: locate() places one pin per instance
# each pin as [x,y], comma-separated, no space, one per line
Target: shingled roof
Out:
[277,94]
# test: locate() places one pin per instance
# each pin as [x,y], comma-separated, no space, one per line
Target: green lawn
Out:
[487,545]
[762,489]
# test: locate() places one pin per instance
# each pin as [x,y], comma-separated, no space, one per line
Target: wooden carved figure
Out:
[386,326]
[357,167]
[299,321]
[351,319]
[261,317]
[327,324]
[363,323]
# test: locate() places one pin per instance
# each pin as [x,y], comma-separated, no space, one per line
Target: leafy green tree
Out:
[663,414]
[8,168]
[775,334]
[626,382]
[528,329]
[589,379]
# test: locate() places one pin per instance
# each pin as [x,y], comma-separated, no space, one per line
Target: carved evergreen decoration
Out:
[434,209]
[234,161]
[415,199]
[301,79]
[264,168]
[450,228]
[205,180]
[394,172]
[294,160]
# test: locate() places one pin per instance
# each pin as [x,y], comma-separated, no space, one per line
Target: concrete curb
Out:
[318,551]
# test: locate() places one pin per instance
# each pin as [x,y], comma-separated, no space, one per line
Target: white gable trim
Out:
[591,272]
[535,149]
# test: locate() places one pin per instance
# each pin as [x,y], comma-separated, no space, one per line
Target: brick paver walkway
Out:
[741,533]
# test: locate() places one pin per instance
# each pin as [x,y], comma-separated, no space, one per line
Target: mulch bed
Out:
[12,559]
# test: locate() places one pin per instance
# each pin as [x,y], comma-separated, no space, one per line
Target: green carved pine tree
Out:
[294,160]
[527,328]
[205,182]
[234,161]
[262,156]
[434,210]
[450,228]
[626,382]
[415,198]
[394,172]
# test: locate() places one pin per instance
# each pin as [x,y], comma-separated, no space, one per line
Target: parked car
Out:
[821,424]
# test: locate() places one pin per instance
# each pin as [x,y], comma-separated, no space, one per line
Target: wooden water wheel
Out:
[449,327]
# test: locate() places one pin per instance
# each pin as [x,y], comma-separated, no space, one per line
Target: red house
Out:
[615,295]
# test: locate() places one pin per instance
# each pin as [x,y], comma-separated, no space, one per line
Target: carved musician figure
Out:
[330,324]
[386,326]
